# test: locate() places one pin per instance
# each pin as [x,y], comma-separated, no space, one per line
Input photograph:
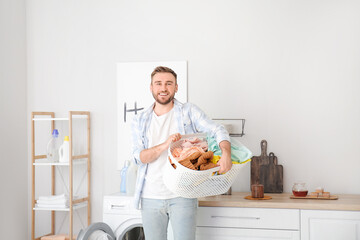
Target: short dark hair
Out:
[162,69]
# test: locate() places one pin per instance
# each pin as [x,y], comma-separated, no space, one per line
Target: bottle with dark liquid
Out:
[299,190]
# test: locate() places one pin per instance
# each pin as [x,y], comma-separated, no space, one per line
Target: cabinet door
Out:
[259,218]
[212,233]
[330,225]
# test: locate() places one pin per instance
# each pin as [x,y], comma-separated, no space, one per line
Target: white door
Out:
[330,225]
[211,233]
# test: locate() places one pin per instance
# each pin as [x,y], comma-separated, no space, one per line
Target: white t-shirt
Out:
[161,127]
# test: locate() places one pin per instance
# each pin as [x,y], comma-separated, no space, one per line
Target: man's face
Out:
[163,87]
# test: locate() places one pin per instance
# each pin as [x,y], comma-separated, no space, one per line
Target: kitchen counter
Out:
[347,202]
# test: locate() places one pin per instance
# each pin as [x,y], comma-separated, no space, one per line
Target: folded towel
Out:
[51,206]
[53,202]
[53,197]
[56,197]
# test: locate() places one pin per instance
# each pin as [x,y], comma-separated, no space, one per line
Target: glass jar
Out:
[299,189]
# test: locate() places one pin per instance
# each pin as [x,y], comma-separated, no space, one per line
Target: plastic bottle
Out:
[131,178]
[52,151]
[64,150]
[123,173]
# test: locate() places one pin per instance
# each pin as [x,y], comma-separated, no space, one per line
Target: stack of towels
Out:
[53,201]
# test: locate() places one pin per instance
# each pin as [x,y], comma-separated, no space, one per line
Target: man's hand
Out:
[151,154]
[225,160]
[173,138]
[224,163]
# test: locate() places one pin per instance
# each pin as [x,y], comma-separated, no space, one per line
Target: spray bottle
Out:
[123,173]
[53,147]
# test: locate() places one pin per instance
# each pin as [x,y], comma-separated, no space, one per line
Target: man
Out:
[152,132]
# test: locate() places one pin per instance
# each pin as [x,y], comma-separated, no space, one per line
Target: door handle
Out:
[115,206]
[233,217]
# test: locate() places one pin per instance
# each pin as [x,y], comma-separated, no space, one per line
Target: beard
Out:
[163,101]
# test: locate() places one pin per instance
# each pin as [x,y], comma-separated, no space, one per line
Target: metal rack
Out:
[235,126]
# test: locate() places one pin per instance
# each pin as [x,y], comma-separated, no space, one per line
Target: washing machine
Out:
[123,218]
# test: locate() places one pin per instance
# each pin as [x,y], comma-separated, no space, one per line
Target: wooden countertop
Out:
[348,202]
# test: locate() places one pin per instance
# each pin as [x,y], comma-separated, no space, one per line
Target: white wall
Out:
[289,67]
[13,129]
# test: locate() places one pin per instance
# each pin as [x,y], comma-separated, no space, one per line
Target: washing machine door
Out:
[130,229]
[96,231]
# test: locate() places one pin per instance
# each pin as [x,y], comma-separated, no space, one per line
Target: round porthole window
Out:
[99,235]
[135,233]
[96,231]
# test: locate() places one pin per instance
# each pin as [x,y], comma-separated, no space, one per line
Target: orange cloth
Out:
[186,152]
[57,237]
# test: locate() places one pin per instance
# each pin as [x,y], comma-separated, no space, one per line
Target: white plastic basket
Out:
[190,183]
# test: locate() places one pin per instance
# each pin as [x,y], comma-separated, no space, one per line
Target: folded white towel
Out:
[53,197]
[56,197]
[53,202]
[51,206]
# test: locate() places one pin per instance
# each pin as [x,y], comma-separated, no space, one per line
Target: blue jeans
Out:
[157,212]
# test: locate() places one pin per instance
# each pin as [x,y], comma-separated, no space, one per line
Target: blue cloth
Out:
[190,119]
[239,153]
[156,214]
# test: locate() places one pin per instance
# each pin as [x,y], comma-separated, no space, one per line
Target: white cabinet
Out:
[207,233]
[227,223]
[330,225]
[222,223]
[234,217]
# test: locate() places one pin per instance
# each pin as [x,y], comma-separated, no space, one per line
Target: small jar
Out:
[299,189]
[257,191]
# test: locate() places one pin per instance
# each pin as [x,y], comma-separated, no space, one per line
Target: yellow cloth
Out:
[216,158]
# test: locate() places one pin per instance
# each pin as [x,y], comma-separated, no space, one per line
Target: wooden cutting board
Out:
[256,163]
[271,176]
[332,197]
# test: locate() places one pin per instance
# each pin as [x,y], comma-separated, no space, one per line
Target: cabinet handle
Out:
[230,217]
[114,206]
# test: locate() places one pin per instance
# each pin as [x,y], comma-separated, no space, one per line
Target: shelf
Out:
[235,126]
[59,119]
[47,163]
[67,209]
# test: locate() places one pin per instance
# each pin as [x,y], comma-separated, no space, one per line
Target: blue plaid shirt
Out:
[190,119]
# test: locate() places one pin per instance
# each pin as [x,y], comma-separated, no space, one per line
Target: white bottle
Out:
[53,147]
[64,150]
[131,178]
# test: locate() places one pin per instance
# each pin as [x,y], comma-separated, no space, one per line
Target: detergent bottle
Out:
[123,174]
[64,150]
[131,178]
[53,145]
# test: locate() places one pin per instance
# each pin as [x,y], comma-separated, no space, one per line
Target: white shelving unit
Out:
[41,160]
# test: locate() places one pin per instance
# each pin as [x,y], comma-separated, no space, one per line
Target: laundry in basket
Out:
[239,153]
[190,183]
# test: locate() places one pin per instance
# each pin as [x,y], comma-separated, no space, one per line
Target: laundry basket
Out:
[190,183]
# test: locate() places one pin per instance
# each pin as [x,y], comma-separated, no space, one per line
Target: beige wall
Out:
[289,67]
[13,122]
